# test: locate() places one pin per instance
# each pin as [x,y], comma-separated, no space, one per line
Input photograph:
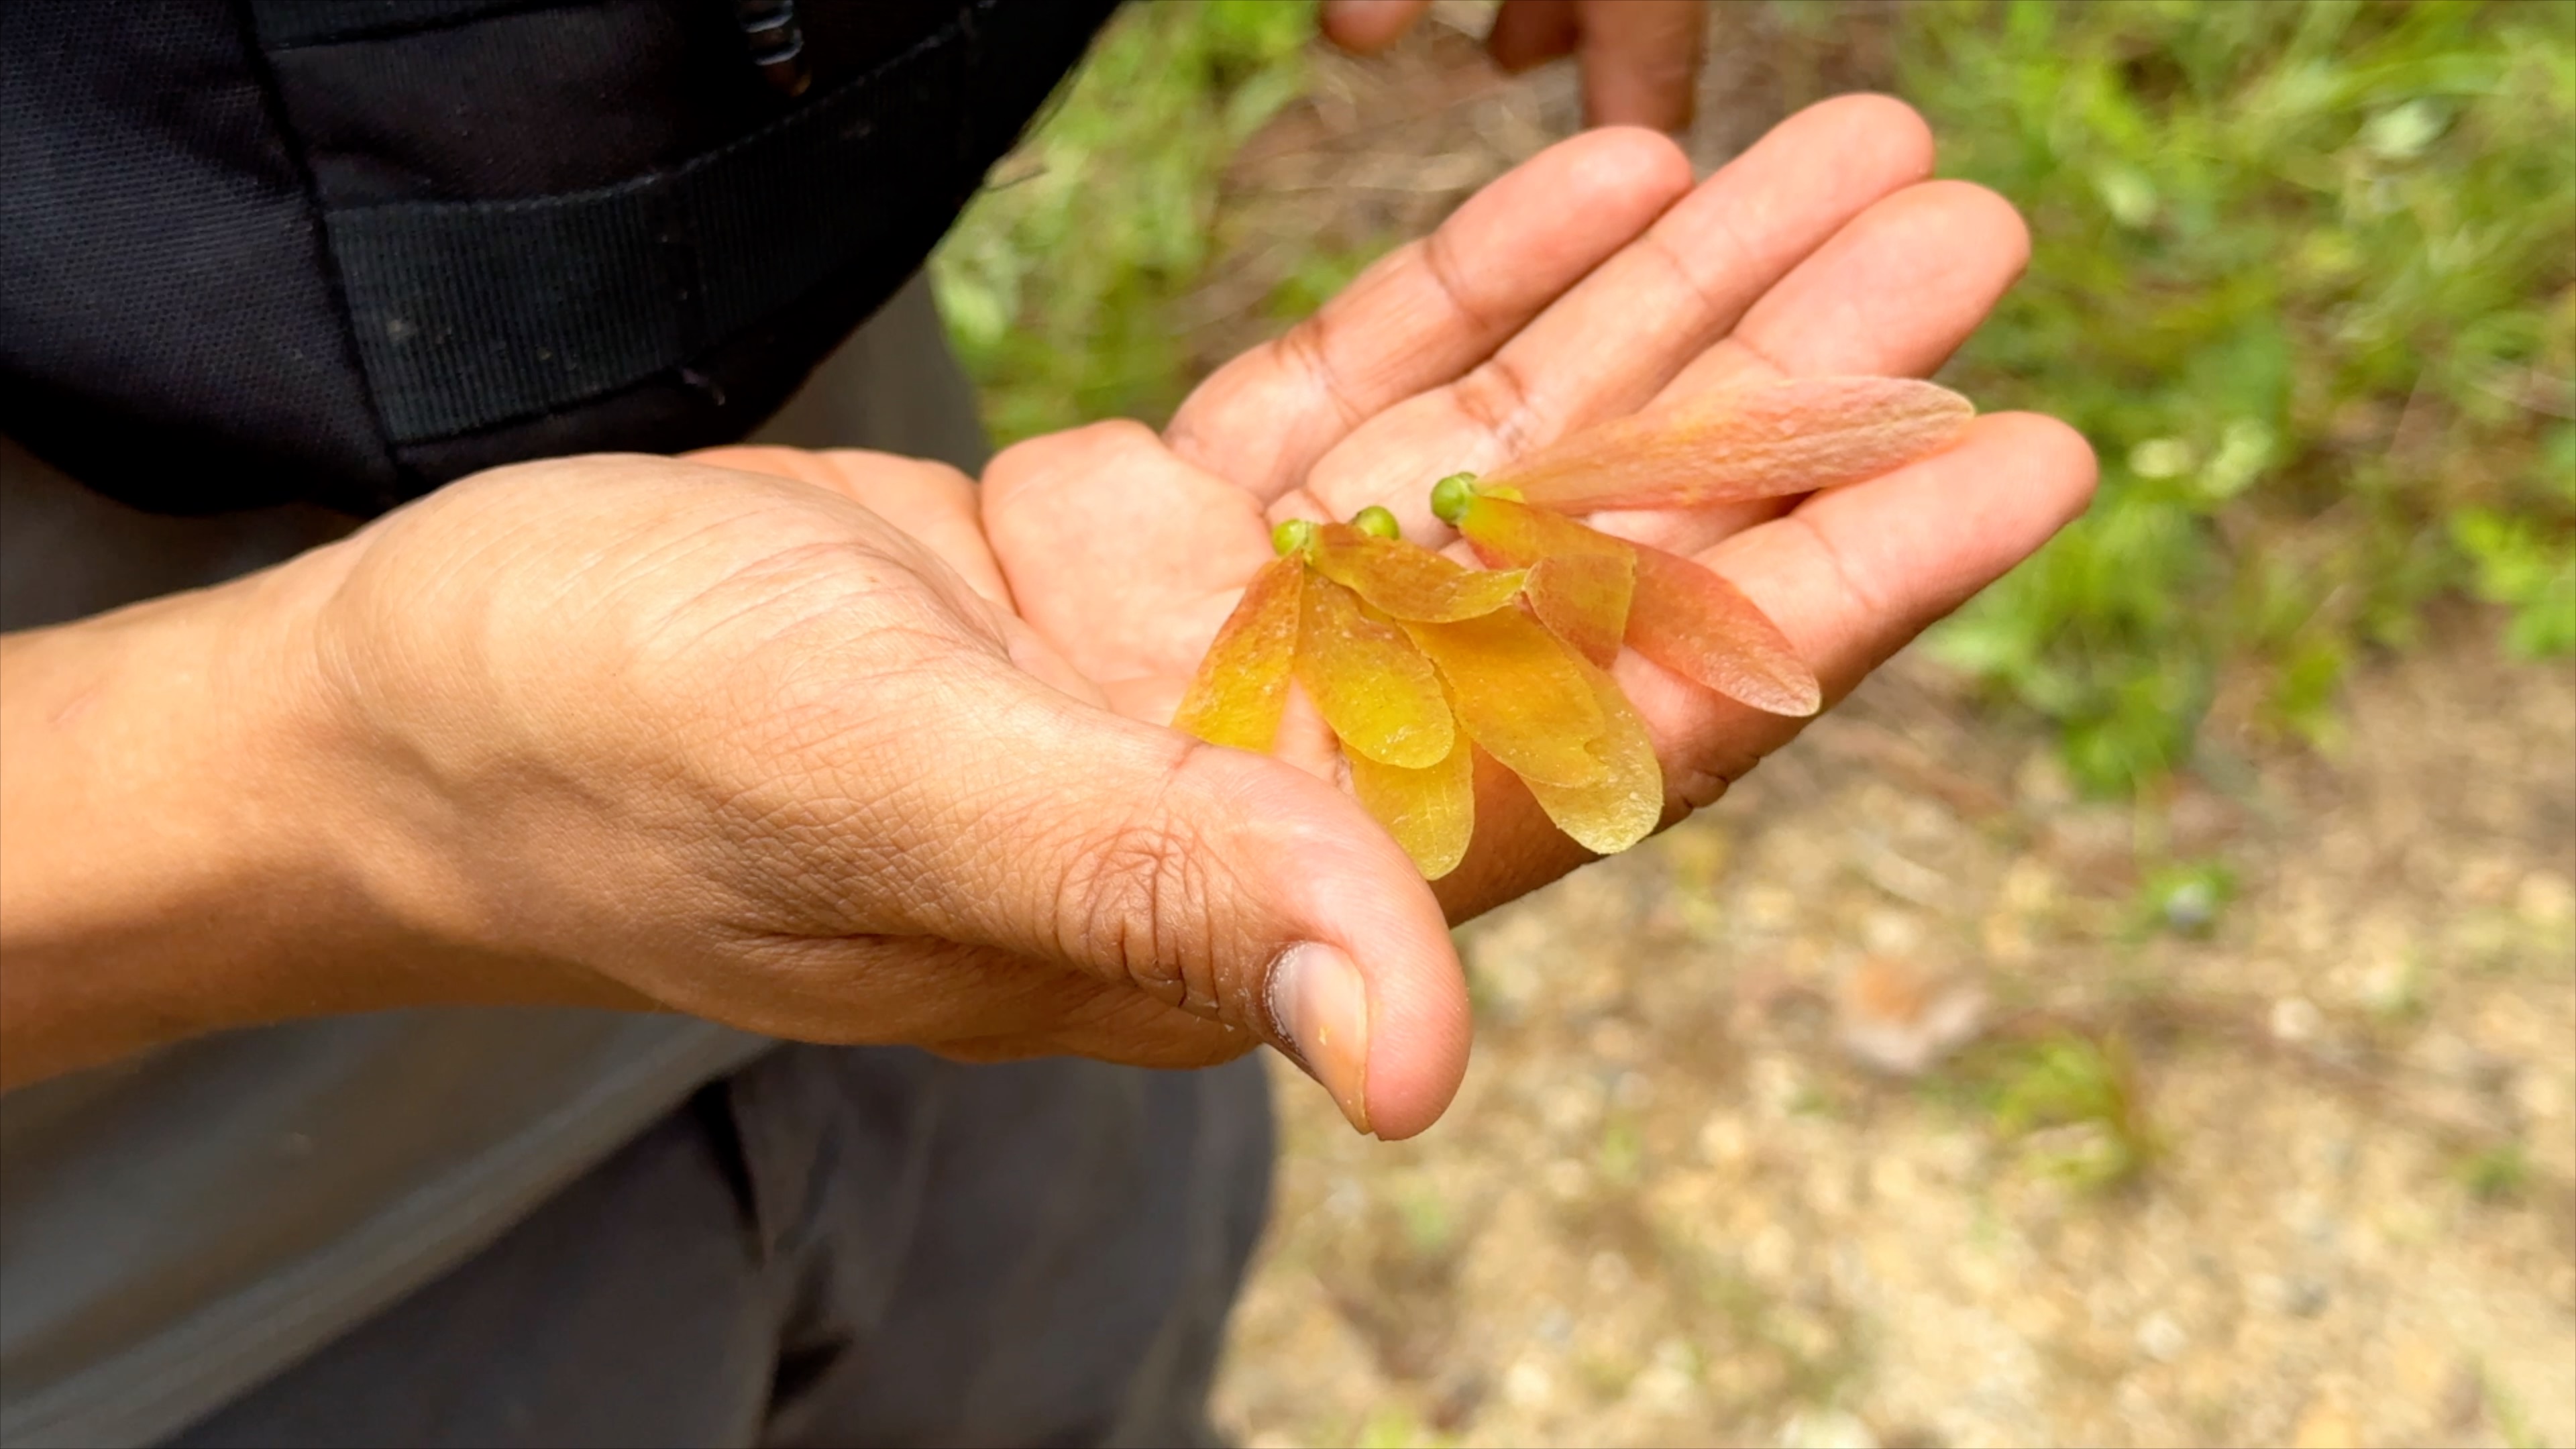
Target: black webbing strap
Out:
[469,314]
[285,23]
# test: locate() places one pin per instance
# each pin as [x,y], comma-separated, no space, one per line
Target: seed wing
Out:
[1737,443]
[1580,581]
[1430,812]
[1701,627]
[1621,808]
[1407,580]
[1519,692]
[1242,684]
[1375,689]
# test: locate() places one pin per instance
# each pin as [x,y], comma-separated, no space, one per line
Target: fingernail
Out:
[1320,1004]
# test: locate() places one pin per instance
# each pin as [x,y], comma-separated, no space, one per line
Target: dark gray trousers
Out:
[836,1247]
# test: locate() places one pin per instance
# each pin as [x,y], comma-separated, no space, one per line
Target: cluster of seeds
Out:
[1416,662]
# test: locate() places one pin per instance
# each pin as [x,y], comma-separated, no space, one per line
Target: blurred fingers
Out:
[1640,61]
[1531,33]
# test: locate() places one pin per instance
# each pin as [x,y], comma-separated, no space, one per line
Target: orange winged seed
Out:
[1746,442]
[1375,689]
[1701,627]
[1430,812]
[1407,580]
[1580,581]
[1519,692]
[1585,598]
[1242,685]
[1622,807]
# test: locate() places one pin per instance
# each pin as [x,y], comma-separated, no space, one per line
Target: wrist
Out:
[194,834]
[158,882]
[379,714]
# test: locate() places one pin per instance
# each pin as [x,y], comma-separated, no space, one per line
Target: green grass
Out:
[2305,274]
[2306,277]
[2495,1174]
[2076,1097]
[1062,283]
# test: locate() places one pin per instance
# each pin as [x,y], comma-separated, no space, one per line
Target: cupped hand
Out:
[772,751]
[1592,282]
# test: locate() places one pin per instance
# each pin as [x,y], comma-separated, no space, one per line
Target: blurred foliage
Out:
[2306,277]
[2073,1101]
[2496,1174]
[2182,897]
[1062,282]
[2305,274]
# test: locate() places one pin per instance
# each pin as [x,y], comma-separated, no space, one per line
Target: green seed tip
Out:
[1377,522]
[1451,495]
[1291,536]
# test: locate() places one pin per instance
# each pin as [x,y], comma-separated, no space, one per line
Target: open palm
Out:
[1591,282]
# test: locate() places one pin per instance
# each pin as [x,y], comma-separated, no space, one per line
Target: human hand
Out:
[1590,283]
[1640,58]
[773,751]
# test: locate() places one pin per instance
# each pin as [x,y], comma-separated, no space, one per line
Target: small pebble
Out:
[2162,1339]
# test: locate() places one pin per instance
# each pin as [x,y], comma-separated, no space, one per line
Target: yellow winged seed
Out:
[1746,442]
[1242,685]
[1430,812]
[1407,580]
[1375,689]
[1621,808]
[1519,692]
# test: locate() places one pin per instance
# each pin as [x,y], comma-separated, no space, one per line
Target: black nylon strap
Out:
[286,23]
[469,314]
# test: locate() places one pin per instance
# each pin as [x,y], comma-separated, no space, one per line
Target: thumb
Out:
[1230,884]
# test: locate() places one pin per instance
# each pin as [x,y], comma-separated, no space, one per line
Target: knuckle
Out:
[1141,910]
[1144,899]
[1500,401]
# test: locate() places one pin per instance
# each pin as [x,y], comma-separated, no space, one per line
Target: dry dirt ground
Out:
[1674,1206]
[2262,1129]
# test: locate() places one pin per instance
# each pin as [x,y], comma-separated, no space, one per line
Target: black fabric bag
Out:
[342,251]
